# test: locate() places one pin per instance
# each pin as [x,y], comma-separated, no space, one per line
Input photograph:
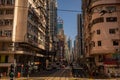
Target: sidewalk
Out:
[47,78]
[42,73]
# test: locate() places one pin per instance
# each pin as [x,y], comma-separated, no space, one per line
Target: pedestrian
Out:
[109,75]
[1,75]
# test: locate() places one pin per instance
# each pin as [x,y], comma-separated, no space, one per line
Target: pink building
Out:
[102,34]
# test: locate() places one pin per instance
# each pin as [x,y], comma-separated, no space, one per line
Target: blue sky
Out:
[69,18]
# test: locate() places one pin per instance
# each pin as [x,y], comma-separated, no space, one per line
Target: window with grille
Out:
[115,43]
[112,31]
[99,43]
[98,32]
[111,19]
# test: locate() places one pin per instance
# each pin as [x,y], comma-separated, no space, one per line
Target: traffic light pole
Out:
[11,74]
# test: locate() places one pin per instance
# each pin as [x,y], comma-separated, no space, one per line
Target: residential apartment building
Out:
[102,34]
[22,32]
[53,25]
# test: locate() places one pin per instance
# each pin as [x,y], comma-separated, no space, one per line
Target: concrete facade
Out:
[22,32]
[102,33]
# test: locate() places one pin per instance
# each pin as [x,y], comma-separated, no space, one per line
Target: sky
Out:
[69,18]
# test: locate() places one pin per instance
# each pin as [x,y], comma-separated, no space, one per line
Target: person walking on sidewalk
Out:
[109,75]
[0,75]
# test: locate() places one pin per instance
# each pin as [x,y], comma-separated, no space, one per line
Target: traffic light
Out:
[11,74]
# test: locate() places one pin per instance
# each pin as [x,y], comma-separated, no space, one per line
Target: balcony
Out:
[5,38]
[101,51]
[6,6]
[102,2]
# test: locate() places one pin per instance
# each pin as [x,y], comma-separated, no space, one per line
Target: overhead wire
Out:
[68,10]
[65,10]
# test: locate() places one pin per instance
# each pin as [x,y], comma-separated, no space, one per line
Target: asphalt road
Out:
[62,74]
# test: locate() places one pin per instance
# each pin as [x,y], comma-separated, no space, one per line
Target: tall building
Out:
[53,23]
[59,24]
[61,40]
[75,57]
[102,34]
[23,26]
[53,17]
[70,49]
[70,44]
[79,36]
[66,55]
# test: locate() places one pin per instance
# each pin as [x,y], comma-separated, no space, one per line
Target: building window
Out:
[98,20]
[115,43]
[5,33]
[98,32]
[2,2]
[6,22]
[6,59]
[9,11]
[9,2]
[111,19]
[11,22]
[99,43]
[1,11]
[1,23]
[111,8]
[8,33]
[112,31]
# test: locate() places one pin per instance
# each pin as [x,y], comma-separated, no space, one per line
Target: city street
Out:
[62,74]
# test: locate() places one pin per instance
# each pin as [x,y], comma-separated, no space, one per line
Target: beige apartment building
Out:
[22,32]
[102,34]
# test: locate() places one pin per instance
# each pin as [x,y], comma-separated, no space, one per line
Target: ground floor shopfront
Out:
[20,61]
[105,64]
[112,65]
